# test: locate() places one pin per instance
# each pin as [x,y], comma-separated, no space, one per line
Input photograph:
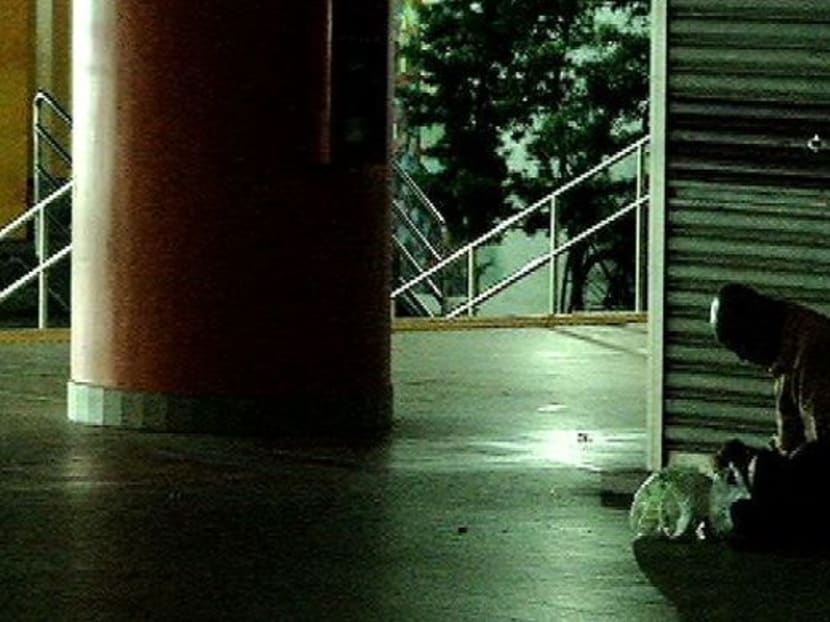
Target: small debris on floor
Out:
[462,530]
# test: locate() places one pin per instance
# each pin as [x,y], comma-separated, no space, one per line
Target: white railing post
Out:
[638,242]
[42,280]
[36,149]
[554,260]
[471,278]
[41,229]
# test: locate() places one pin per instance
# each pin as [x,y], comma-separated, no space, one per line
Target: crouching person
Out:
[793,343]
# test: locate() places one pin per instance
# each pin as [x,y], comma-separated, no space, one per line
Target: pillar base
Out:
[313,415]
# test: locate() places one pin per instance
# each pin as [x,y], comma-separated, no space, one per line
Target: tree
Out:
[458,59]
[567,79]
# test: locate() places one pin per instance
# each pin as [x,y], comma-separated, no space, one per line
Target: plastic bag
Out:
[728,486]
[671,503]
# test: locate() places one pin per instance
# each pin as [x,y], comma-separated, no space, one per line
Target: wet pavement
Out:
[499,495]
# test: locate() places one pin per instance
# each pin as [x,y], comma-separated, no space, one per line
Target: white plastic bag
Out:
[728,486]
[671,504]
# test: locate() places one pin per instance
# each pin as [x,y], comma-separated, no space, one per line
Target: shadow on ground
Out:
[712,581]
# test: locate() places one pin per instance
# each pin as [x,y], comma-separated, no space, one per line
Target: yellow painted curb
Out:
[531,321]
[59,335]
[34,335]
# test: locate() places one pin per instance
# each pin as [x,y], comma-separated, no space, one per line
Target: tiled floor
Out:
[491,500]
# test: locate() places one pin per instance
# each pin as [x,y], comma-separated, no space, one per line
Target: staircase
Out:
[420,240]
[47,223]
[428,277]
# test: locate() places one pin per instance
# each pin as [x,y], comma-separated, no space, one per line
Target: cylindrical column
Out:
[230,227]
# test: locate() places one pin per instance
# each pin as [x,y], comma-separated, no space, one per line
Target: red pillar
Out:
[230,225]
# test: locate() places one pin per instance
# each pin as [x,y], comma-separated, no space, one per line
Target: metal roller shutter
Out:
[746,198]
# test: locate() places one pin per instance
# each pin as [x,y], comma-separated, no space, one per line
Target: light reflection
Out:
[592,450]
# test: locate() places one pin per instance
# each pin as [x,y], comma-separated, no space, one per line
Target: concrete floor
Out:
[496,497]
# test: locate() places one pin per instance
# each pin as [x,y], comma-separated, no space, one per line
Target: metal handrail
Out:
[414,263]
[35,272]
[422,197]
[42,97]
[415,231]
[509,222]
[434,249]
[533,265]
[38,211]
[420,305]
[41,133]
[35,210]
[63,154]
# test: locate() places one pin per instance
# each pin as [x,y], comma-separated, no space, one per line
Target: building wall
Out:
[35,53]
[53,59]
[740,197]
[16,71]
[53,74]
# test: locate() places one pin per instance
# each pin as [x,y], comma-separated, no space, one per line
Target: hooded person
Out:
[793,343]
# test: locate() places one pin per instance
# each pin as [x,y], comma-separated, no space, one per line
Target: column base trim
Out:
[305,415]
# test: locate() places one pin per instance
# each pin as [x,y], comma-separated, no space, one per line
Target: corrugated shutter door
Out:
[747,199]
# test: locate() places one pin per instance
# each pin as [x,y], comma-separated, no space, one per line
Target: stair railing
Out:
[549,202]
[45,144]
[535,264]
[412,241]
[36,212]
[42,136]
[44,139]
[422,197]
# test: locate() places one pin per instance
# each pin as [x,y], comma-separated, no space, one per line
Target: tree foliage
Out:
[564,81]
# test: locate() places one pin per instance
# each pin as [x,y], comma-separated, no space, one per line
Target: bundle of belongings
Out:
[758,497]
